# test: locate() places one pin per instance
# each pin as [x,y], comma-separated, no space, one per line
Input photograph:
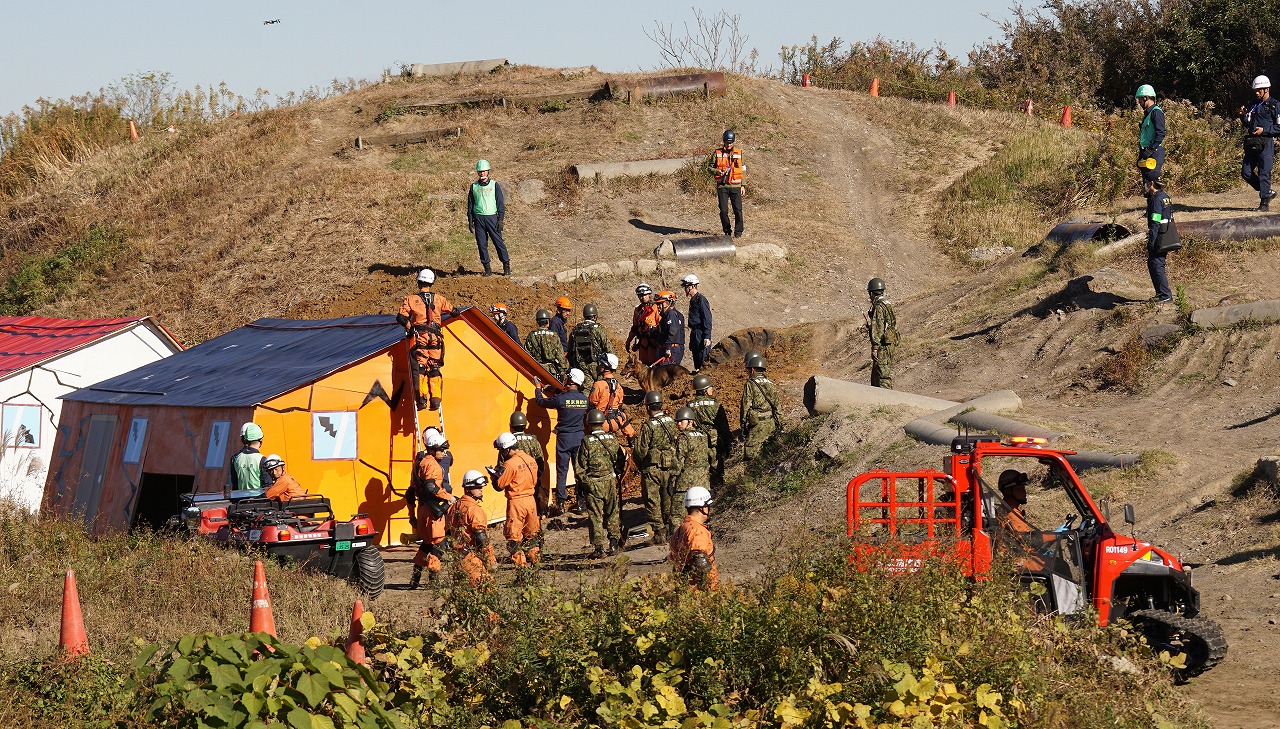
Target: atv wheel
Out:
[370,574]
[1200,639]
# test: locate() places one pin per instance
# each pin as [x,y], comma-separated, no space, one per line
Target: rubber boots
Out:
[416,579]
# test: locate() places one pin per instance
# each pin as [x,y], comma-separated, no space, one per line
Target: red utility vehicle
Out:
[900,519]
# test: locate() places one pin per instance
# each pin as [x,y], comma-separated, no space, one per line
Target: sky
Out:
[58,48]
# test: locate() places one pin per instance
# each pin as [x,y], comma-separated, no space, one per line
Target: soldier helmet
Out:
[608,361]
[474,480]
[875,286]
[684,413]
[747,355]
[595,417]
[653,399]
[697,496]
[756,362]
[505,440]
[519,421]
[577,376]
[701,383]
[542,316]
[590,311]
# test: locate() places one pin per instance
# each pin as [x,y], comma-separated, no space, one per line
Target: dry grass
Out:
[144,585]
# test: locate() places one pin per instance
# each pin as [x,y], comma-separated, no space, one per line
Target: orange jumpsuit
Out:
[286,487]
[644,331]
[465,519]
[518,479]
[610,403]
[423,323]
[431,528]
[693,536]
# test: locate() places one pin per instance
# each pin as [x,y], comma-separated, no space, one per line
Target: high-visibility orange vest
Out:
[729,166]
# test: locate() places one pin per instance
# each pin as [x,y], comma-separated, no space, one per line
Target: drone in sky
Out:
[271,22]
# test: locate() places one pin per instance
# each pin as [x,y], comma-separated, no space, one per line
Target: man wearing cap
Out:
[1150,134]
[486,211]
[1260,125]
[248,468]
[571,411]
[1013,488]
[699,321]
[421,315]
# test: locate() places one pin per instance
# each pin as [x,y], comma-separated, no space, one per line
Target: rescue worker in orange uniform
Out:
[468,528]
[728,166]
[517,476]
[643,337]
[693,555]
[1013,487]
[284,486]
[428,502]
[606,396]
[421,315]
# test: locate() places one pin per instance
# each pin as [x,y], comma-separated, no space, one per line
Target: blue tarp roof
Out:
[250,365]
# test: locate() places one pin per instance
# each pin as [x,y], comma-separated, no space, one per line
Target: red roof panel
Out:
[26,341]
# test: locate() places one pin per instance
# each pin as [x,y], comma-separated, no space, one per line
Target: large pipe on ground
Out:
[826,395]
[927,430]
[979,420]
[1075,232]
[1244,228]
[697,249]
[599,171]
[704,84]
[449,69]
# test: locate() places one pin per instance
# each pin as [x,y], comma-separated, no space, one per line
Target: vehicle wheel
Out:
[1200,639]
[370,574]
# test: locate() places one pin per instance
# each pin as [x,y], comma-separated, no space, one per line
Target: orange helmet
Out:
[498,307]
[666,296]
[564,303]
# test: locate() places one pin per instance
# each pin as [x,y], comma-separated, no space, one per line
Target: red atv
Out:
[302,530]
[900,519]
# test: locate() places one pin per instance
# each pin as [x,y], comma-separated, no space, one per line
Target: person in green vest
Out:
[1150,134]
[486,210]
[247,470]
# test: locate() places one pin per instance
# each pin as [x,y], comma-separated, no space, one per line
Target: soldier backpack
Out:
[583,344]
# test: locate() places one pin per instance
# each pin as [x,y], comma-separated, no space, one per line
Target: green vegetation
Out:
[41,279]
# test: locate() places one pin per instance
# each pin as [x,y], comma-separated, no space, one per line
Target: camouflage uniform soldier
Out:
[529,443]
[882,330]
[597,464]
[543,344]
[760,416]
[693,465]
[710,418]
[587,342]
[654,452]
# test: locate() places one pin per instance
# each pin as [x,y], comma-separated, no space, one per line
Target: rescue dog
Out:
[657,377]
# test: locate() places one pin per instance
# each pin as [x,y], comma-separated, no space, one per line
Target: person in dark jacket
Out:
[1261,124]
[499,313]
[1150,134]
[486,215]
[670,330]
[571,408]
[560,322]
[699,321]
[1162,238]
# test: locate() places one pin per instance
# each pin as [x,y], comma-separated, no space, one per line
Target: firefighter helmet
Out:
[564,303]
[272,462]
[577,376]
[426,276]
[643,290]
[474,479]
[697,496]
[608,361]
[504,441]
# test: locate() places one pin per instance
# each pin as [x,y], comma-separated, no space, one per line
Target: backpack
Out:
[583,344]
[891,336]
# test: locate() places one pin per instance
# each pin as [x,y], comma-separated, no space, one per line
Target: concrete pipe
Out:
[1224,316]
[826,395]
[979,420]
[927,431]
[1244,228]
[599,171]
[1074,232]
[697,249]
[704,84]
[449,69]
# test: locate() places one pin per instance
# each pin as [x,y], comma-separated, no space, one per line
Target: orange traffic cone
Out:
[951,98]
[133,131]
[260,618]
[1066,116]
[875,87]
[355,649]
[72,640]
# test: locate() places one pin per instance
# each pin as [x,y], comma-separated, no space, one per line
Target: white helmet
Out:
[576,376]
[697,496]
[690,280]
[609,360]
[1261,82]
[505,440]
[432,438]
[272,461]
[474,480]
[426,276]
